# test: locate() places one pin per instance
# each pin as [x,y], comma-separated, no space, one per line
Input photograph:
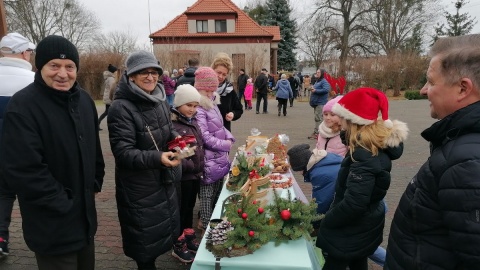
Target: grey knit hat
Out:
[299,156]
[140,60]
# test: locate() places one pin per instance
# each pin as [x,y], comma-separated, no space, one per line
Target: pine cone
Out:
[218,235]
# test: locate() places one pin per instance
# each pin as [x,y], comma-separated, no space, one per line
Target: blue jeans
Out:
[170,99]
[378,256]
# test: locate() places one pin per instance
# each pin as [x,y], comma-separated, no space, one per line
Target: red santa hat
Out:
[362,106]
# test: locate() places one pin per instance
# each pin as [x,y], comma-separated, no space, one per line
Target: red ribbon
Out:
[181,142]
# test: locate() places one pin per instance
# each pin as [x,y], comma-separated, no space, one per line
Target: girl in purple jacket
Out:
[217,142]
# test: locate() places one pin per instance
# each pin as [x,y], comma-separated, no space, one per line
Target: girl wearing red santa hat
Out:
[353,227]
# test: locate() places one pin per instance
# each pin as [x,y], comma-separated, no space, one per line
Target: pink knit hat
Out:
[328,107]
[206,79]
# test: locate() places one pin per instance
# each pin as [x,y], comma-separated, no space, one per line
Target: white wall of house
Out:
[257,51]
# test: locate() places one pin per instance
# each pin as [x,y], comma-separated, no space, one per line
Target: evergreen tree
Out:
[457,24]
[279,14]
[257,13]
[413,44]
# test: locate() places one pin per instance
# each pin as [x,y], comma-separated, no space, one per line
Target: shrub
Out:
[414,94]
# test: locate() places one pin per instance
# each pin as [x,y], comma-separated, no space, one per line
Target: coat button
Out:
[80,138]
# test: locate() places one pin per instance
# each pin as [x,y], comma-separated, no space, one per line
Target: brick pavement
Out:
[298,124]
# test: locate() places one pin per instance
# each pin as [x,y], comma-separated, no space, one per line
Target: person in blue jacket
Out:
[319,168]
[284,92]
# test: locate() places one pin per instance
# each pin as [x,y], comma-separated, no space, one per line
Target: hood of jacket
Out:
[107,74]
[395,141]
[129,90]
[283,82]
[208,103]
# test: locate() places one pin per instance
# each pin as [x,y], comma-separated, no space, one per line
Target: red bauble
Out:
[251,233]
[260,210]
[244,215]
[239,211]
[285,214]
[254,202]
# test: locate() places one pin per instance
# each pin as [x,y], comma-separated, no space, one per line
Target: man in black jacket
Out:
[52,159]
[437,221]
[242,83]
[261,87]
[189,74]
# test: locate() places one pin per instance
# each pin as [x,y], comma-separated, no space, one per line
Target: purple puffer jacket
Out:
[216,138]
[169,85]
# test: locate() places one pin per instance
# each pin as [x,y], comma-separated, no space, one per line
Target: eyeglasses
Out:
[145,73]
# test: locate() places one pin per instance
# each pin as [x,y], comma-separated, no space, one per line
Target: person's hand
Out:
[169,159]
[229,116]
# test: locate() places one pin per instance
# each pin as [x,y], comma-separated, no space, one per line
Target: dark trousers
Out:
[7,198]
[83,259]
[261,96]
[104,114]
[188,197]
[337,264]
[240,95]
[282,102]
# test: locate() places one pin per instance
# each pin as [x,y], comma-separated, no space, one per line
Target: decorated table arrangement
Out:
[262,219]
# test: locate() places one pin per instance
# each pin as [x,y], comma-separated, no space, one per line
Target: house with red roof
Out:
[212,26]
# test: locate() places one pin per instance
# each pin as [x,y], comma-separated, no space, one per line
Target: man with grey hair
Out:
[15,73]
[437,222]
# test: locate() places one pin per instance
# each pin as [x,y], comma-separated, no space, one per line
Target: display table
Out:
[292,255]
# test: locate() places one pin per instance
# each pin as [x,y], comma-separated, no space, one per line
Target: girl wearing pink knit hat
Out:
[329,130]
[217,142]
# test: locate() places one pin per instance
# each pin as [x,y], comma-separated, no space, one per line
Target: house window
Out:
[202,26]
[220,26]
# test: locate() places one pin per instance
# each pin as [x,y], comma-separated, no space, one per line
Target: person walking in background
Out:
[184,122]
[437,224]
[353,227]
[217,141]
[169,86]
[109,85]
[52,159]
[294,86]
[145,171]
[188,76]
[306,85]
[318,98]
[242,83]
[284,92]
[261,88]
[15,74]
[230,106]
[249,93]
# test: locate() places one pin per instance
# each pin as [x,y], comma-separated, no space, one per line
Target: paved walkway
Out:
[298,124]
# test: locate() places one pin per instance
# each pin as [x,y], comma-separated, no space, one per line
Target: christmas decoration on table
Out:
[182,146]
[256,185]
[245,168]
[246,228]
[294,217]
[280,180]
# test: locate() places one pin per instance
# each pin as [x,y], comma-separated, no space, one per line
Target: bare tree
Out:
[37,19]
[393,22]
[116,42]
[315,39]
[350,36]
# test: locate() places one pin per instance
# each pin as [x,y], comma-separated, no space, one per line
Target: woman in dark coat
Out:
[353,227]
[230,106]
[139,128]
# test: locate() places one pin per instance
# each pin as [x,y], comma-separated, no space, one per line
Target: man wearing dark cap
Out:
[52,160]
[15,73]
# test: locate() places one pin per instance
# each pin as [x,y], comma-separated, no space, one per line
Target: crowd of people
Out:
[52,161]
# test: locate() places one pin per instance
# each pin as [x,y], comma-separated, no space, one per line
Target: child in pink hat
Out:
[329,130]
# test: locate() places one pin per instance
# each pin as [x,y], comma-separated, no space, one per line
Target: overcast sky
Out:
[133,15]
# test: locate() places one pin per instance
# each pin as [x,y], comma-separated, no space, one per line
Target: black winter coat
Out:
[437,222]
[146,196]
[192,167]
[242,82]
[229,103]
[353,227]
[52,159]
[261,84]
[188,77]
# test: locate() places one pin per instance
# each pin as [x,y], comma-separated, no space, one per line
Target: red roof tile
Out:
[244,25]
